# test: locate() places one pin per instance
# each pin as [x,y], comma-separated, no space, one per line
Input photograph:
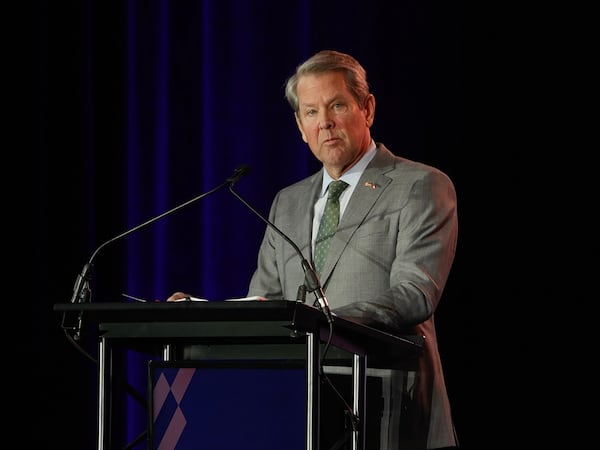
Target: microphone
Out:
[238,173]
[82,290]
[311,279]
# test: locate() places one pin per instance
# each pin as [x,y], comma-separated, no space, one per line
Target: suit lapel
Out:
[370,187]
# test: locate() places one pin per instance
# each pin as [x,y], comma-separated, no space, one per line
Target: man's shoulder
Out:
[301,188]
[395,162]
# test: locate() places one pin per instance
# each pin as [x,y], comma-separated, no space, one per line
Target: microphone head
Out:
[242,169]
[239,172]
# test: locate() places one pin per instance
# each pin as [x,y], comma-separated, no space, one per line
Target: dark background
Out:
[145,105]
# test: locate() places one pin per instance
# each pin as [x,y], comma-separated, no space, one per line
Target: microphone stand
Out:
[311,279]
[311,284]
[82,290]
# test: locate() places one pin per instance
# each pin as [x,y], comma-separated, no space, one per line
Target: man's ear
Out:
[299,124]
[370,110]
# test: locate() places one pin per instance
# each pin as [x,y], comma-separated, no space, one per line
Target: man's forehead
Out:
[321,87]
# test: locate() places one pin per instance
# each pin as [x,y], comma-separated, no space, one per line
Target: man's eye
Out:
[310,113]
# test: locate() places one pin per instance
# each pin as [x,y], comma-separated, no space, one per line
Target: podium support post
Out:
[103,371]
[359,396]
[312,392]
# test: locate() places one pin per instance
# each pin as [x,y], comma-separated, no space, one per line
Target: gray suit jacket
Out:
[387,267]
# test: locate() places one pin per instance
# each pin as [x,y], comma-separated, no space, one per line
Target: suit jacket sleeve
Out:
[401,251]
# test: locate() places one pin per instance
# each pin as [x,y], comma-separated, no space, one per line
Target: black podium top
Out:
[241,319]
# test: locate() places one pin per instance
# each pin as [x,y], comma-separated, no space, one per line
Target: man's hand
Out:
[177,296]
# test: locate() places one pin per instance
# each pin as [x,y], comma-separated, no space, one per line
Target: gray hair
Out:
[330,61]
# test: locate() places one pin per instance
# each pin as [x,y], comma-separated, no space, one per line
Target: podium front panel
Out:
[254,405]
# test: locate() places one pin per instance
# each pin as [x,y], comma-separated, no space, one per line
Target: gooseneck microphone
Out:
[311,278]
[238,173]
[82,290]
[311,284]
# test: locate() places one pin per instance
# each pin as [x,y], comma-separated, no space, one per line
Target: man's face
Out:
[332,123]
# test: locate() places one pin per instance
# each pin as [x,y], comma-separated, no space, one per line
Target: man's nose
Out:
[325,123]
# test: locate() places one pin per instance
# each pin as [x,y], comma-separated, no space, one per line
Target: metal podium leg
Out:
[103,392]
[359,387]
[168,352]
[312,392]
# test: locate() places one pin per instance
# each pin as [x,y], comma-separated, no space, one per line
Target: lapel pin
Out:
[370,184]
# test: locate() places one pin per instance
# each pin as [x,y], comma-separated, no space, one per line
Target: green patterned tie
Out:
[329,222]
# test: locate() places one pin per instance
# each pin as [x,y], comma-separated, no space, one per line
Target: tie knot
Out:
[336,188]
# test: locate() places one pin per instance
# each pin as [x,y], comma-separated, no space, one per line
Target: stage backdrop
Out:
[148,104]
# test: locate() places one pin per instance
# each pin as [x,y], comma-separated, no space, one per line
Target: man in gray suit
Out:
[391,255]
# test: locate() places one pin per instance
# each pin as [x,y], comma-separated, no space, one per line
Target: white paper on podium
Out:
[189,298]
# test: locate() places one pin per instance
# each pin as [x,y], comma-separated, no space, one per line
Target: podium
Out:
[273,330]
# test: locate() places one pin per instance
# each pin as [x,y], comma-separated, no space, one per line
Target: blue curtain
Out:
[148,104]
